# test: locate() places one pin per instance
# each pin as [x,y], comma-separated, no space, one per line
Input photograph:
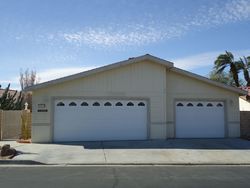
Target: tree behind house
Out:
[28,78]
[244,66]
[227,60]
[223,77]
[10,101]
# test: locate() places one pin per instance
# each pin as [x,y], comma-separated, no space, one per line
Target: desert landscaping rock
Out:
[7,151]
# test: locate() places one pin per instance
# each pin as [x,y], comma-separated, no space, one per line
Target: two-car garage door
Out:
[199,119]
[95,120]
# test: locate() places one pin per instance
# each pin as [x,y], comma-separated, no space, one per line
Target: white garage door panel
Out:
[200,119]
[91,123]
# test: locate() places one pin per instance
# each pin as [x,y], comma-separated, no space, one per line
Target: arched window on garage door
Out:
[119,104]
[141,104]
[96,104]
[72,104]
[199,104]
[107,104]
[179,104]
[219,105]
[130,104]
[60,104]
[84,104]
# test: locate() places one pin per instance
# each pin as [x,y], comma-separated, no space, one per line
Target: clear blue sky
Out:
[62,37]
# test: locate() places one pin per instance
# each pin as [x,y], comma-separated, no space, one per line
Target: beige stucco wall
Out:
[244,105]
[181,87]
[144,80]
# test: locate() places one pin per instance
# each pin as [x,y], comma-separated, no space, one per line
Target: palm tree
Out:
[224,77]
[244,66]
[227,60]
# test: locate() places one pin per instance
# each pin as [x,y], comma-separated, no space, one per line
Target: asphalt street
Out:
[124,176]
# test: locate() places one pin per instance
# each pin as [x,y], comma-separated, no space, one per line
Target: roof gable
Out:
[146,57]
[132,60]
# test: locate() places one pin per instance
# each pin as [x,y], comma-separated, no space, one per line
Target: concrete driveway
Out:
[172,151]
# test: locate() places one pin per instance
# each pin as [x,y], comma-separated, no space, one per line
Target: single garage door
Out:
[200,119]
[96,120]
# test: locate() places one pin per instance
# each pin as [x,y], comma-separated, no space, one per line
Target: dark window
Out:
[190,104]
[199,104]
[179,104]
[118,104]
[107,104]
[219,105]
[72,104]
[209,104]
[141,104]
[60,104]
[84,104]
[96,104]
[130,104]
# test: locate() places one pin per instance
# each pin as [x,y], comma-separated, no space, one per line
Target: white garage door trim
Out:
[100,119]
[199,119]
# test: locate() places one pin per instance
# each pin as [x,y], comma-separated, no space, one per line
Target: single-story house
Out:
[137,99]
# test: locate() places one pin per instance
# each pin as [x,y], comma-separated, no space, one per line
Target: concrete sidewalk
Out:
[173,151]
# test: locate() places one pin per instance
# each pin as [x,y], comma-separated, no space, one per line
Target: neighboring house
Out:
[140,98]
[247,96]
[244,101]
[244,104]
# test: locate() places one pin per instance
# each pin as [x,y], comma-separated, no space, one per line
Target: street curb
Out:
[31,162]
[154,164]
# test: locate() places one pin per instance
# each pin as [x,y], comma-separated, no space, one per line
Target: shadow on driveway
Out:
[222,144]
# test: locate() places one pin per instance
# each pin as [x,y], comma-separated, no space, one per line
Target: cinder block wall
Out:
[245,123]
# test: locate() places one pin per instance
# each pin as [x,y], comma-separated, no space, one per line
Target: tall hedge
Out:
[10,101]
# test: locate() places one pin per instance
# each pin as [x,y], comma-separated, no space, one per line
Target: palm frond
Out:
[240,64]
[220,69]
[230,55]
